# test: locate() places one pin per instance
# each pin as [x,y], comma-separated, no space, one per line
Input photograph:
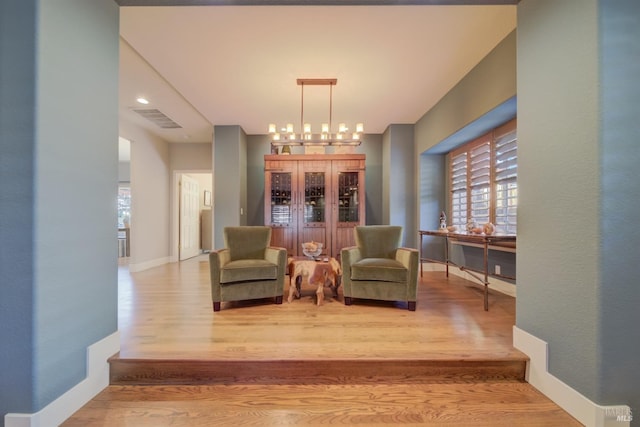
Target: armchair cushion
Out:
[380,269]
[248,269]
[378,241]
[247,242]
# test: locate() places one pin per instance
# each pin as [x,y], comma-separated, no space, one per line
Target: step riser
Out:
[150,372]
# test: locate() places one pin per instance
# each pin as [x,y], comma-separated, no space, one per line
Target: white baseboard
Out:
[494,283]
[578,406]
[63,407]
[140,266]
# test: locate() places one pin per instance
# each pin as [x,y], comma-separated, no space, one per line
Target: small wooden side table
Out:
[326,272]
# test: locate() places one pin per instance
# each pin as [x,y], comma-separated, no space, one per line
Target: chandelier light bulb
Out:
[342,127]
[307,128]
[276,136]
[289,128]
[325,128]
[360,127]
[272,128]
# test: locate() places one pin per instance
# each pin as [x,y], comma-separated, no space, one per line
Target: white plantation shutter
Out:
[480,170]
[459,190]
[506,173]
[483,180]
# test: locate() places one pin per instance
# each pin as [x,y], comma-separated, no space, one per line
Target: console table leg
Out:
[486,276]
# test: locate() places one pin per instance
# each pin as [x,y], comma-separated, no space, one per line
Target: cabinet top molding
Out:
[284,157]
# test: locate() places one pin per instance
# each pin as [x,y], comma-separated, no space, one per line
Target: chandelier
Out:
[287,136]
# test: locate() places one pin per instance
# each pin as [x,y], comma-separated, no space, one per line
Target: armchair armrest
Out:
[278,256]
[409,258]
[217,260]
[348,256]
[405,255]
[220,257]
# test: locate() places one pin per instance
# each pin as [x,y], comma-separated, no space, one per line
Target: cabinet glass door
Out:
[315,201]
[281,210]
[314,197]
[348,187]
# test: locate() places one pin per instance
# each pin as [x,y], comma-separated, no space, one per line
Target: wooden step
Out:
[487,404]
[329,371]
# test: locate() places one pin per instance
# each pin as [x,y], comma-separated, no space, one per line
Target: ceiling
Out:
[237,65]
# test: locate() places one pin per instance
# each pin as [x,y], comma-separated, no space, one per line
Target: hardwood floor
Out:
[258,363]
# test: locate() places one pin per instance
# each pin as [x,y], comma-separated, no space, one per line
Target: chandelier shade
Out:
[287,135]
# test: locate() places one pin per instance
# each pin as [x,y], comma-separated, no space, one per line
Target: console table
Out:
[481,239]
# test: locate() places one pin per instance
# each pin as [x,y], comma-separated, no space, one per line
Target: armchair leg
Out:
[347,301]
[216,306]
[412,306]
[279,299]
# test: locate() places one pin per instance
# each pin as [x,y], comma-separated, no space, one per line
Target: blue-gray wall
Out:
[399,181]
[432,199]
[229,180]
[17,193]
[257,147]
[577,156]
[619,292]
[59,178]
[481,101]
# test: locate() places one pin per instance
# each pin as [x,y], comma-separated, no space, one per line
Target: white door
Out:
[189,217]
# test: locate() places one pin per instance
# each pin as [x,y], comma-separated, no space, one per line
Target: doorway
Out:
[124,199]
[192,214]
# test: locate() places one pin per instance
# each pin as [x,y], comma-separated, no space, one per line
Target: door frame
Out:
[174,206]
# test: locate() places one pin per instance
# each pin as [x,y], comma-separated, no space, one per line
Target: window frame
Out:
[490,137]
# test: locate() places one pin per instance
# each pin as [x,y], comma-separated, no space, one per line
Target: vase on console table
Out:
[443,221]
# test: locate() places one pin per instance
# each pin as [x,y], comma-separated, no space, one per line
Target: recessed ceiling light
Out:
[142,101]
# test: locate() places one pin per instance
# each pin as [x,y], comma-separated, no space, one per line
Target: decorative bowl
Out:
[312,255]
[312,249]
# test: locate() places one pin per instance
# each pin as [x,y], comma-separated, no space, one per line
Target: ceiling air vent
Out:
[158,117]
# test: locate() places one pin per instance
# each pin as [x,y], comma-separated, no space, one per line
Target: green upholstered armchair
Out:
[377,268]
[247,268]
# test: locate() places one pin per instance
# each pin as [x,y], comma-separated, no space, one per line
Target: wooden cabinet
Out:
[317,197]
